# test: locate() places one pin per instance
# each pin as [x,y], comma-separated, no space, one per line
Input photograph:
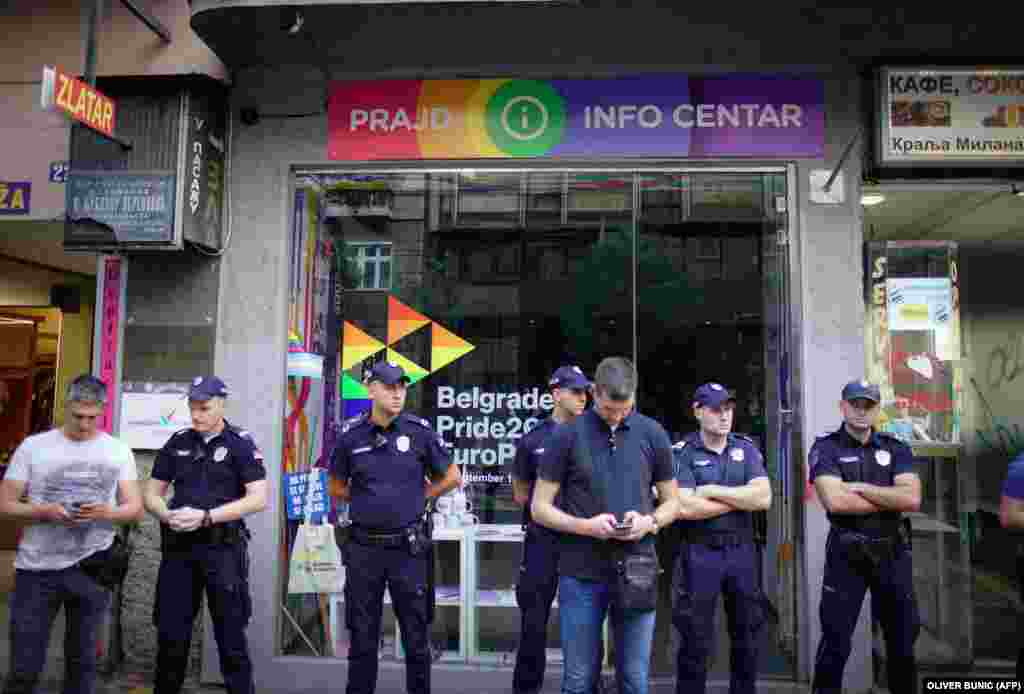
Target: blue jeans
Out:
[582,606]
[38,595]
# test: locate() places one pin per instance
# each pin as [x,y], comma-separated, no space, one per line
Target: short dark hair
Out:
[86,388]
[616,378]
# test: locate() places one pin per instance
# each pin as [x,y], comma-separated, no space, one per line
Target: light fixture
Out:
[292,21]
[869,199]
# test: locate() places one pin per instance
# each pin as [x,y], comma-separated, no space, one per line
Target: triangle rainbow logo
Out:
[357,346]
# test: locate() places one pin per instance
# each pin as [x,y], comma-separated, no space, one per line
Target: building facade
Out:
[481,262]
[483,192]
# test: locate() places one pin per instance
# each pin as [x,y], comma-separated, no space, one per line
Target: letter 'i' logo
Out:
[525,118]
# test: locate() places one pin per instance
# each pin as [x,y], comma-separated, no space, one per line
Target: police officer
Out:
[538,575]
[722,482]
[380,464]
[1011,516]
[866,481]
[219,478]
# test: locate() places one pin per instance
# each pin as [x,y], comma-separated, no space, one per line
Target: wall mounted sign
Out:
[152,412]
[766,116]
[76,99]
[15,197]
[205,149]
[136,207]
[109,319]
[950,116]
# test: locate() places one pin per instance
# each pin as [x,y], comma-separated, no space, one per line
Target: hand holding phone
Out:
[623,527]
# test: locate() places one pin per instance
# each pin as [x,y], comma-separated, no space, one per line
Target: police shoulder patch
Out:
[353,421]
[417,420]
[743,437]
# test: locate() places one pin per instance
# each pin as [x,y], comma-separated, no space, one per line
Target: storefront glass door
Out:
[480,284]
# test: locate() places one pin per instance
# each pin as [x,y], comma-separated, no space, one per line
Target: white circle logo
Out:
[526,103]
[402,443]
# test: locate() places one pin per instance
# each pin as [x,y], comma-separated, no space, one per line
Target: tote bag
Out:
[315,563]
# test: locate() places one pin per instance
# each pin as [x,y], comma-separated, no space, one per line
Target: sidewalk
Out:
[484,684]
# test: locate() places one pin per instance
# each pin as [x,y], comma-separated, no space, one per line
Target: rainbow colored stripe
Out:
[662,115]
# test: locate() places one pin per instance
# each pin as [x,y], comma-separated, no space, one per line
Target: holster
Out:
[420,536]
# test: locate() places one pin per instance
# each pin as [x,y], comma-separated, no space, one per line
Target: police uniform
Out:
[717,556]
[538,573]
[385,470]
[205,474]
[865,552]
[1013,488]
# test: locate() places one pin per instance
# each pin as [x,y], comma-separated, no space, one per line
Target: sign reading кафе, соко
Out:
[944,116]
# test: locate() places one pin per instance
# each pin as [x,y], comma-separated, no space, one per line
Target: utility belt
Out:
[234,533]
[417,537]
[874,551]
[718,540]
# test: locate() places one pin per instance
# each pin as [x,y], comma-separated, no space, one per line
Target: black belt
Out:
[720,540]
[225,534]
[379,538]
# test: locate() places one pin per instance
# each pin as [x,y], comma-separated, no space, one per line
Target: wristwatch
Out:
[207,519]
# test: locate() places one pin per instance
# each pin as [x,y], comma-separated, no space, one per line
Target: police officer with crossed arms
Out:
[218,476]
[381,467]
[722,482]
[866,481]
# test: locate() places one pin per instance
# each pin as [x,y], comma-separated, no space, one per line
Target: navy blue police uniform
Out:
[1013,488]
[538,573]
[205,474]
[385,469]
[865,552]
[717,557]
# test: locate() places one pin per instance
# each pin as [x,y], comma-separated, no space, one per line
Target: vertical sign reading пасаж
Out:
[204,167]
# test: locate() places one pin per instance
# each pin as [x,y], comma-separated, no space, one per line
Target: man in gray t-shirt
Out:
[72,485]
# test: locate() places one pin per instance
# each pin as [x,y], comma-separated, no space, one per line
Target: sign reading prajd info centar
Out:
[768,116]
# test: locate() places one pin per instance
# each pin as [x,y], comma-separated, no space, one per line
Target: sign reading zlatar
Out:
[78,100]
[943,115]
[773,116]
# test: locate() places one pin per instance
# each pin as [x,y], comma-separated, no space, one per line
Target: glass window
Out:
[942,337]
[372,265]
[493,280]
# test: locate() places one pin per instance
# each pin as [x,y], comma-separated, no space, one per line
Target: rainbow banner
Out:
[767,116]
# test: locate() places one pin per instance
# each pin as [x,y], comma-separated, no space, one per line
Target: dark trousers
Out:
[847,579]
[369,571]
[1020,581]
[222,571]
[701,574]
[38,595]
[535,592]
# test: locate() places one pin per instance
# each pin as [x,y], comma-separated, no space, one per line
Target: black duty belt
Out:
[719,540]
[225,534]
[380,538]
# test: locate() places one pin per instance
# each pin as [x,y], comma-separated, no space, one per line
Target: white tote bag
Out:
[315,563]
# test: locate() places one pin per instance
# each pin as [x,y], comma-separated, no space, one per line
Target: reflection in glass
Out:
[486,283]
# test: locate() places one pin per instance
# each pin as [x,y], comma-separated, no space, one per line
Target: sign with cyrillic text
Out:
[951,116]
